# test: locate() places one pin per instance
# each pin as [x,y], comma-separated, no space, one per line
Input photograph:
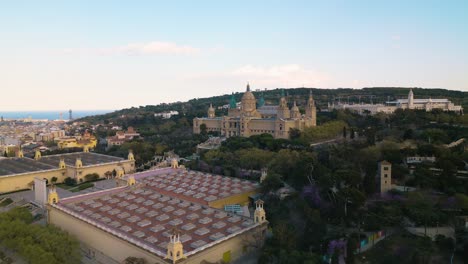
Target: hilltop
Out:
[198,106]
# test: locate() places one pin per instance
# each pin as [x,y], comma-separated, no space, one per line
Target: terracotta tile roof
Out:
[145,214]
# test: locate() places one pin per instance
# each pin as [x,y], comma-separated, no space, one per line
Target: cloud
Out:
[287,75]
[139,49]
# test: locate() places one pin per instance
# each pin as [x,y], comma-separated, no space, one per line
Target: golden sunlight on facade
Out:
[249,120]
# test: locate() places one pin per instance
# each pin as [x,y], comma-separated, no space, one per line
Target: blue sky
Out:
[115,54]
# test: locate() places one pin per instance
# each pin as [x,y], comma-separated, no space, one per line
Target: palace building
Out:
[168,215]
[411,103]
[18,173]
[249,120]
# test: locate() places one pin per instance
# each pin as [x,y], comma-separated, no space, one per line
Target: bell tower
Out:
[411,99]
[311,110]
[259,214]
[175,249]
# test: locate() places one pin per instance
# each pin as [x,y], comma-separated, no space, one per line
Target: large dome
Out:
[248,101]
[248,96]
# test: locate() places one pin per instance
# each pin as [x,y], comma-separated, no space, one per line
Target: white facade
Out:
[409,103]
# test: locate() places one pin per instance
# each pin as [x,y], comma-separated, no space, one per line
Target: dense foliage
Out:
[35,243]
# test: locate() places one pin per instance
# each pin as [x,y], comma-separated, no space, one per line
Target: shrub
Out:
[91,177]
[70,181]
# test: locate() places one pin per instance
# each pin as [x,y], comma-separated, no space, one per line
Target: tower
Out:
[385,176]
[53,197]
[85,148]
[311,110]
[131,181]
[174,163]
[261,101]
[130,155]
[175,249]
[62,164]
[411,99]
[283,109]
[232,102]
[37,155]
[259,214]
[78,163]
[263,175]
[211,111]
[70,116]
[20,153]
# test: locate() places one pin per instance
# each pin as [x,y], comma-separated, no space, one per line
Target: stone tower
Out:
[78,163]
[211,111]
[53,197]
[131,181]
[283,109]
[37,155]
[411,99]
[385,176]
[174,163]
[130,155]
[20,154]
[259,214]
[311,110]
[175,249]
[62,164]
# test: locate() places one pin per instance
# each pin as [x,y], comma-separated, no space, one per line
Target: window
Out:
[385,168]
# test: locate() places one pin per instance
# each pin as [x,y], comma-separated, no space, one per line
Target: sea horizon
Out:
[50,114]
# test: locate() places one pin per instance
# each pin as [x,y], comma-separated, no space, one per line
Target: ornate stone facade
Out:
[249,120]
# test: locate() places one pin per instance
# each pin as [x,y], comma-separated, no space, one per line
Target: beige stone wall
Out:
[119,249]
[96,238]
[80,173]
[212,125]
[22,181]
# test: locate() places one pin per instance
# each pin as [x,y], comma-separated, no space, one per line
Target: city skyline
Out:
[86,55]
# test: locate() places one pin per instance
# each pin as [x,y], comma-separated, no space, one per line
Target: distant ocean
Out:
[51,115]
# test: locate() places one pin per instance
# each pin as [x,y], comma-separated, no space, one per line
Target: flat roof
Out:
[9,166]
[143,216]
[194,186]
[87,158]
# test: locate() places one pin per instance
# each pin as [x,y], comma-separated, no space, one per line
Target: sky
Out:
[118,54]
